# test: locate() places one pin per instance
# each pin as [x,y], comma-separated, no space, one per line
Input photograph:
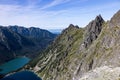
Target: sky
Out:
[55,14]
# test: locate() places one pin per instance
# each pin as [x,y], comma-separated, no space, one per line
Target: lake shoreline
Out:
[4,72]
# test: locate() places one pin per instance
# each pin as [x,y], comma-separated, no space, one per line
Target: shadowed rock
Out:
[93,29]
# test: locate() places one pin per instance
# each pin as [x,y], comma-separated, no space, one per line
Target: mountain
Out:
[41,37]
[20,41]
[32,32]
[90,53]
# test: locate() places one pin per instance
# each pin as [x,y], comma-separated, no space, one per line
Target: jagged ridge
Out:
[79,50]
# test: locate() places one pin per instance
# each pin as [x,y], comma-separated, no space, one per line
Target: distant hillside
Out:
[90,53]
[20,41]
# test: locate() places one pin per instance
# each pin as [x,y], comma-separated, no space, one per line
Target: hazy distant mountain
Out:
[56,31]
[90,53]
[20,41]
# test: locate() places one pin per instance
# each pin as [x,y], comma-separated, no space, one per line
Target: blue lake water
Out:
[13,65]
[23,75]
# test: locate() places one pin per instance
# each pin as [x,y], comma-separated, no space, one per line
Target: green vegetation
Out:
[79,50]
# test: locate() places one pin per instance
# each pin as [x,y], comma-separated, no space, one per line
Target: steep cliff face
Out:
[93,29]
[104,51]
[79,50]
[20,41]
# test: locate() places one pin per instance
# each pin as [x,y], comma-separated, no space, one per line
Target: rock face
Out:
[19,41]
[93,29]
[79,50]
[103,73]
[115,20]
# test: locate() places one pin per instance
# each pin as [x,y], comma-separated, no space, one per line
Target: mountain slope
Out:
[79,50]
[102,73]
[19,41]
[32,32]
[40,37]
[10,42]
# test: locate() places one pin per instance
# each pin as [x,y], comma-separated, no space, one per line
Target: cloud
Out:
[8,2]
[26,15]
[33,3]
[32,15]
[99,8]
[54,3]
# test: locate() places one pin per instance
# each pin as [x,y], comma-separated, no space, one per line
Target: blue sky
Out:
[55,14]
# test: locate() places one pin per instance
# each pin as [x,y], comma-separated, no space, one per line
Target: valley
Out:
[71,40]
[18,41]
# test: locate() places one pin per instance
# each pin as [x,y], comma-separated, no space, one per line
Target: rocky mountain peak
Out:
[115,20]
[93,29]
[70,27]
[68,59]
[99,18]
[73,26]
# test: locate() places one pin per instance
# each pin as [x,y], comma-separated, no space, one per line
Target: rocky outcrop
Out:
[93,29]
[103,73]
[115,20]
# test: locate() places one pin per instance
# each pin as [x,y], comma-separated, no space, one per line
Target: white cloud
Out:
[54,3]
[29,15]
[26,16]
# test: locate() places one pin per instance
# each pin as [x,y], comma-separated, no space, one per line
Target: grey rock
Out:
[93,29]
[115,20]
